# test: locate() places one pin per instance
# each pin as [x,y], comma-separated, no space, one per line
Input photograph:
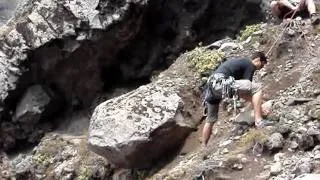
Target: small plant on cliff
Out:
[85,173]
[203,59]
[254,135]
[46,154]
[249,31]
[42,159]
[250,138]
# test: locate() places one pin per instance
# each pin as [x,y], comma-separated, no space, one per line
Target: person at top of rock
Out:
[286,8]
[234,74]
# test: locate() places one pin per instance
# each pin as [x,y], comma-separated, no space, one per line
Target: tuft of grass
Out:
[204,60]
[46,156]
[254,135]
[84,164]
[249,139]
[249,31]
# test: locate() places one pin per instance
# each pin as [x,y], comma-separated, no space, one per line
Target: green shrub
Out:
[84,173]
[203,59]
[248,31]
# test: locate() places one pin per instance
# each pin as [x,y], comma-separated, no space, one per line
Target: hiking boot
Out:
[264,123]
[315,19]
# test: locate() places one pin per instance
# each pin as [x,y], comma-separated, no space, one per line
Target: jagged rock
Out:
[136,128]
[61,157]
[32,105]
[219,43]
[296,101]
[303,166]
[5,166]
[22,165]
[275,141]
[279,157]
[283,128]
[303,140]
[65,170]
[293,145]
[308,177]
[315,112]
[313,131]
[245,118]
[230,46]
[276,168]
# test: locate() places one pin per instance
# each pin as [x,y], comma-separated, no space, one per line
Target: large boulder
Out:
[135,129]
[32,105]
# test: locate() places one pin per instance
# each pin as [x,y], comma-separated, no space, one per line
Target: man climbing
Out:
[286,8]
[234,77]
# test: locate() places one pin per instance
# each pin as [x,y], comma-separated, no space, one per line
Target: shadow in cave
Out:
[113,78]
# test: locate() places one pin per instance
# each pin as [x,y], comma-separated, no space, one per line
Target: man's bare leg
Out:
[265,108]
[257,102]
[206,132]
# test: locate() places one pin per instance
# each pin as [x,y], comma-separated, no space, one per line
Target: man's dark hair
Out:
[260,55]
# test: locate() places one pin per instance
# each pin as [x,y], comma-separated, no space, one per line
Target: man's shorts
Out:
[244,87]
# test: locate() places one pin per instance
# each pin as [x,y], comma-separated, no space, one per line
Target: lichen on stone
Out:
[203,59]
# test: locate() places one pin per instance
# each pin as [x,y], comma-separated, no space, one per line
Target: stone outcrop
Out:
[60,157]
[135,129]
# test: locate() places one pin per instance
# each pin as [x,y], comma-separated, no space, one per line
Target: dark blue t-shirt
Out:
[240,68]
